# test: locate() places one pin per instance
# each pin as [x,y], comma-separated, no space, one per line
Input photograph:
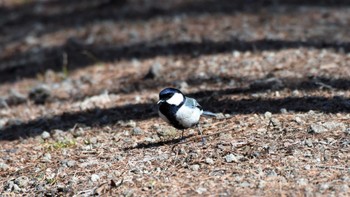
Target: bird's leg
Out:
[200,132]
[182,136]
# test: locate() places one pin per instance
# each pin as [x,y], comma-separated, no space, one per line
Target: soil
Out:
[80,82]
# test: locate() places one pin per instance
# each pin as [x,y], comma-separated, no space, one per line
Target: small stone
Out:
[230,158]
[15,97]
[334,125]
[22,181]
[347,131]
[227,115]
[194,167]
[76,132]
[308,142]
[316,128]
[69,163]
[311,112]
[209,161]
[94,178]
[16,188]
[283,110]
[137,131]
[307,167]
[271,173]
[4,166]
[201,190]
[244,184]
[323,187]
[236,54]
[155,71]
[262,184]
[298,120]
[275,122]
[167,132]
[46,157]
[45,135]
[220,116]
[295,93]
[302,182]
[40,94]
[93,140]
[268,115]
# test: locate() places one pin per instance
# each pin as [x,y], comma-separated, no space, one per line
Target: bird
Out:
[180,111]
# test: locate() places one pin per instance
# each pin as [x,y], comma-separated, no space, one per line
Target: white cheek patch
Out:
[176,99]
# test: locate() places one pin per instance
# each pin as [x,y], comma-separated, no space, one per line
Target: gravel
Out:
[276,73]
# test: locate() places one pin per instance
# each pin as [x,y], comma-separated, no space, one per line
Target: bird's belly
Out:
[188,117]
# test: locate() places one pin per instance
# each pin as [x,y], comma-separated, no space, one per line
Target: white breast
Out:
[188,117]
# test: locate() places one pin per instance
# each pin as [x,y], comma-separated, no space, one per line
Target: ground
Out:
[80,79]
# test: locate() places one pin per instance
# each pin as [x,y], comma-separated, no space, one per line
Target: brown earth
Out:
[80,79]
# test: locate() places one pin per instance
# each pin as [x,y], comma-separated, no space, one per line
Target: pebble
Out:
[137,131]
[22,181]
[194,167]
[69,163]
[244,184]
[11,186]
[334,125]
[40,94]
[94,178]
[283,110]
[268,115]
[230,158]
[302,182]
[201,190]
[4,166]
[46,157]
[295,93]
[275,122]
[298,120]
[93,140]
[347,131]
[316,128]
[220,116]
[323,187]
[209,161]
[262,184]
[155,71]
[15,97]
[45,135]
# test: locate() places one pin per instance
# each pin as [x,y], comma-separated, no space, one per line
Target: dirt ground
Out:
[79,81]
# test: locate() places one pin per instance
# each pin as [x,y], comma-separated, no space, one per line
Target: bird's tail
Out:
[208,113]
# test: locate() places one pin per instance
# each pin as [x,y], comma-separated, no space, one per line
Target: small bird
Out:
[180,111]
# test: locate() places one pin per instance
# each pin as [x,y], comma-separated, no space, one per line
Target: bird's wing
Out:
[192,103]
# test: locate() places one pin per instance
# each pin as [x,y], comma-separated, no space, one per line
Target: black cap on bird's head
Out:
[168,93]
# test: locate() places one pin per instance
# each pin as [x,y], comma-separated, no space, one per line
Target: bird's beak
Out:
[160,101]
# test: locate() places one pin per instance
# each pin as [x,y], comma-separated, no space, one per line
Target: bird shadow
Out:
[146,145]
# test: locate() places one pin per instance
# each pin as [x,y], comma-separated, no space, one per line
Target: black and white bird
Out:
[180,111]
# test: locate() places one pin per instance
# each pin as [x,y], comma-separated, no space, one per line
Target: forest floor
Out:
[79,82]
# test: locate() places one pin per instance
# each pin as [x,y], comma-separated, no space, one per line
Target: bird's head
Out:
[172,96]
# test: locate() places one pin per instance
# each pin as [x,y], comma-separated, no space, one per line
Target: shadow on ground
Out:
[58,15]
[52,58]
[101,117]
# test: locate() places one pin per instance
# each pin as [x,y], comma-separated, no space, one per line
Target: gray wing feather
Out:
[192,103]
